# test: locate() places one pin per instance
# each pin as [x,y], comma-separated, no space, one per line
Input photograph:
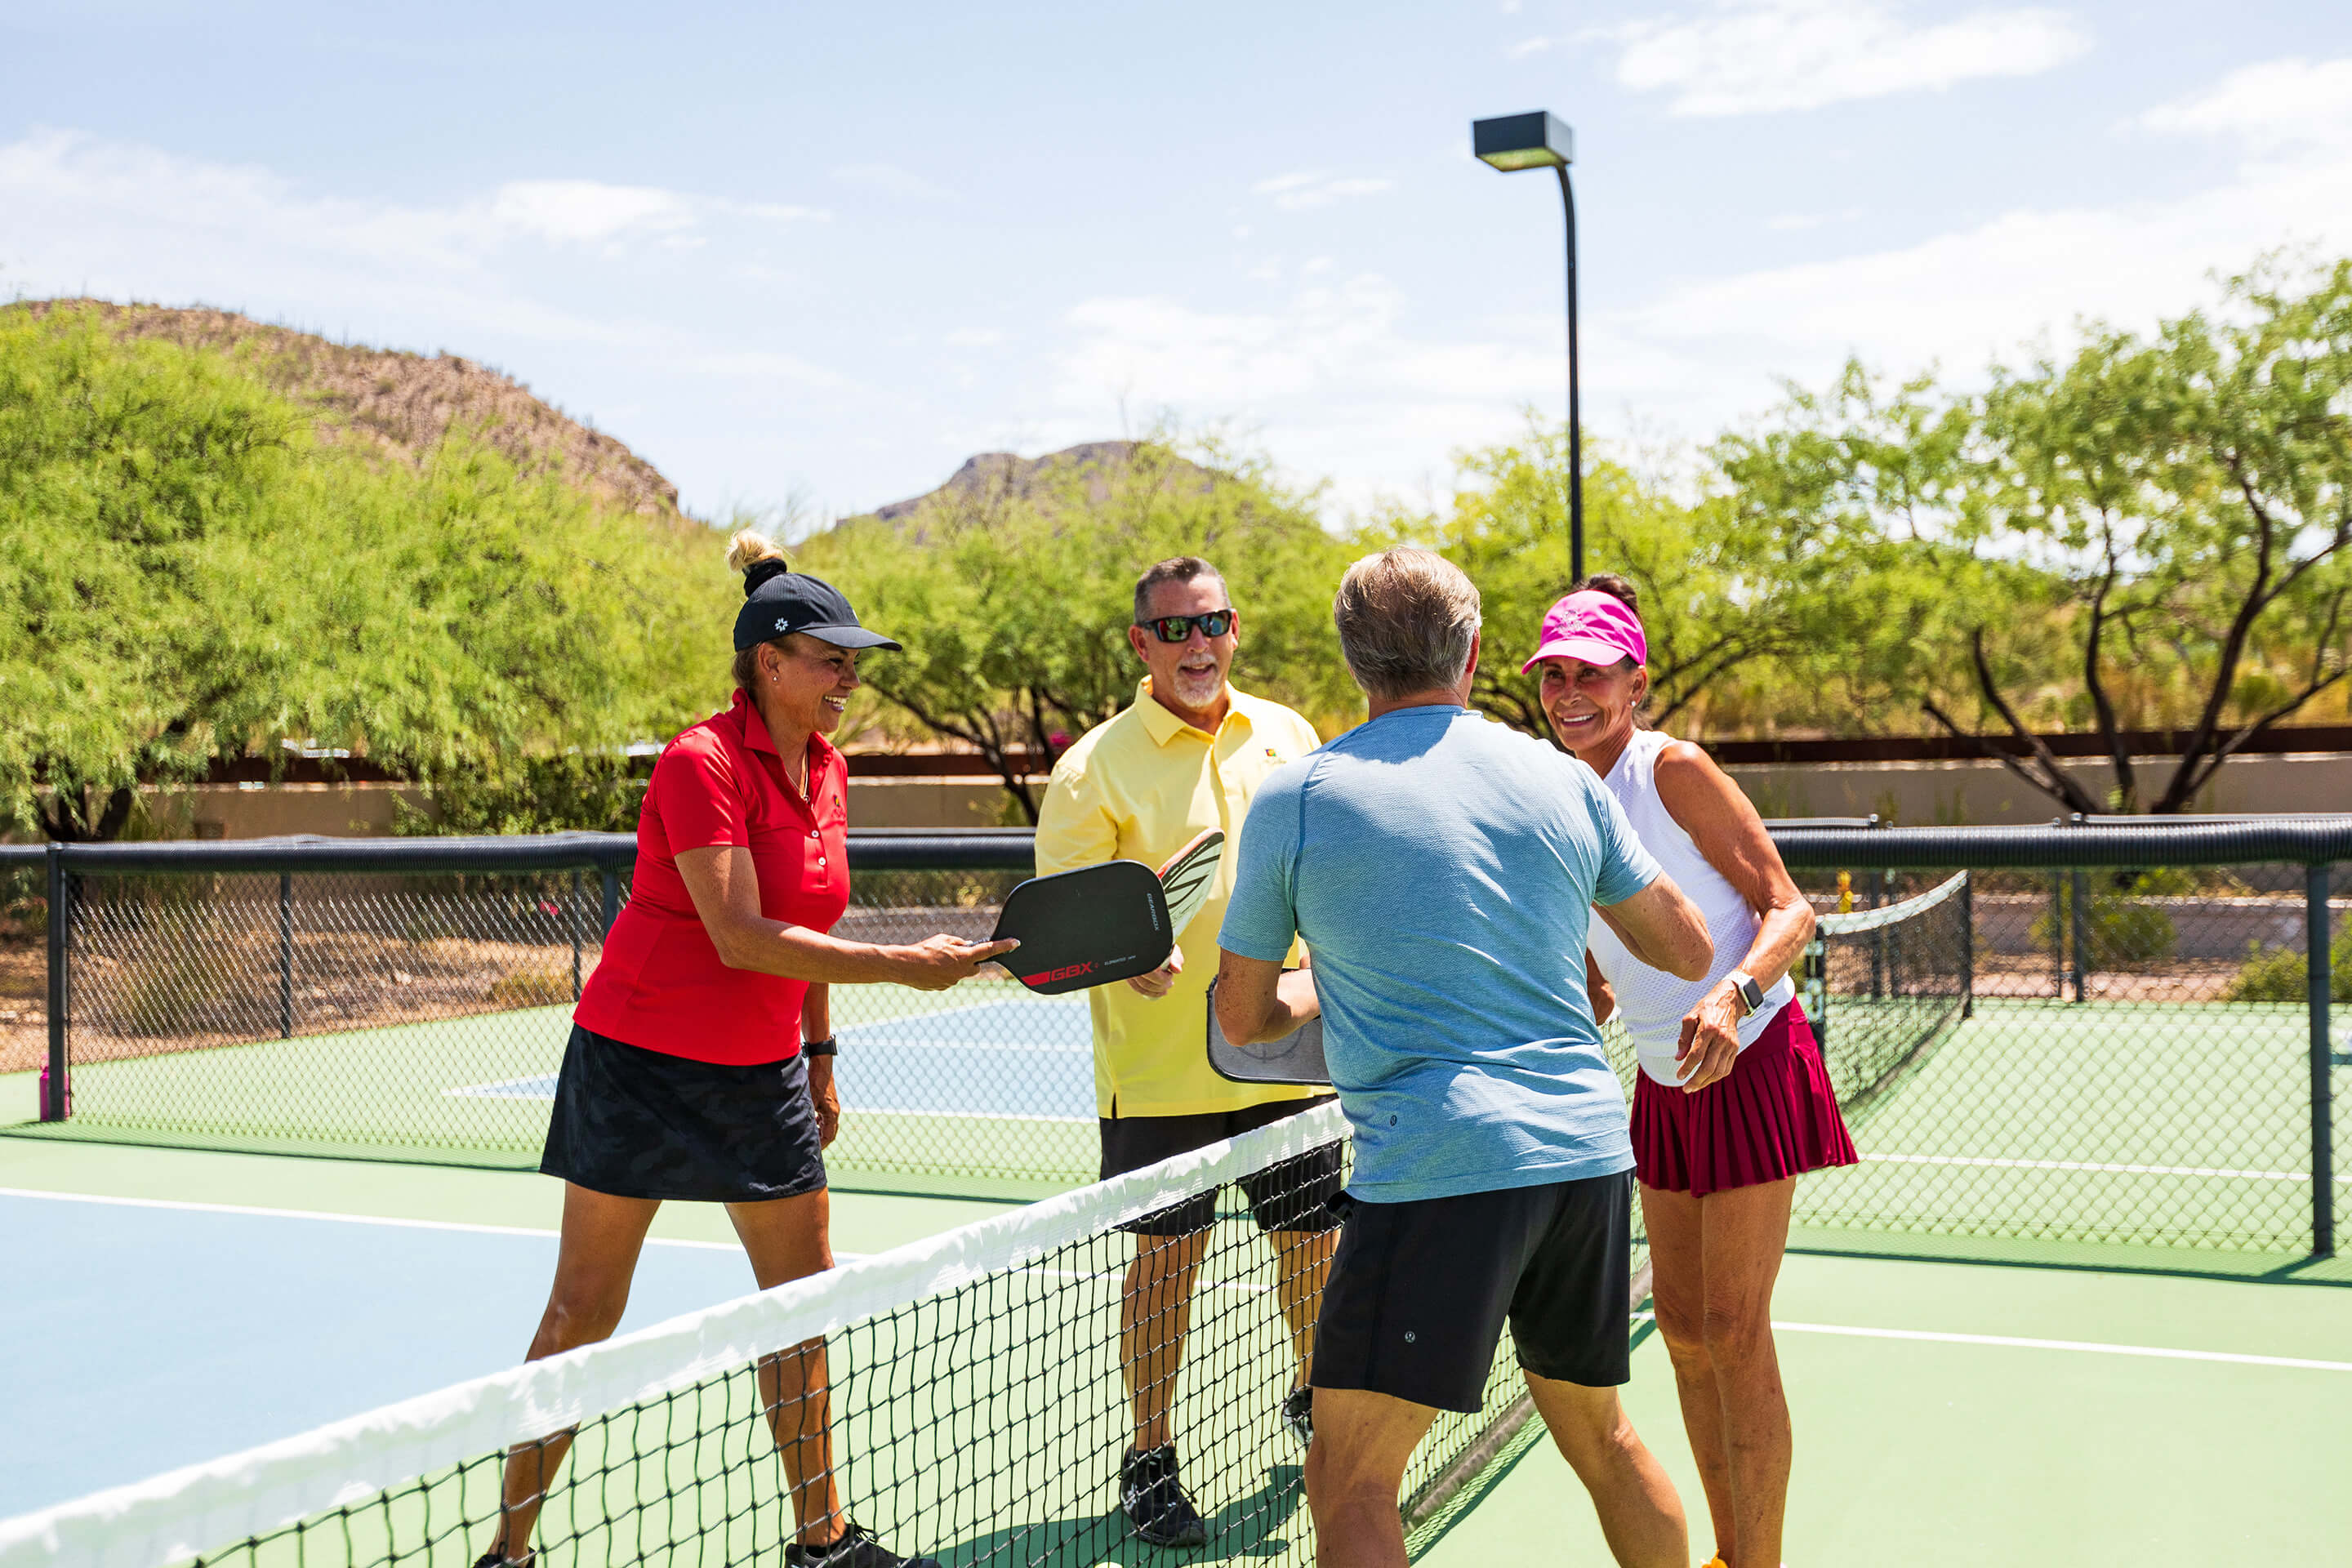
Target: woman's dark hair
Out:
[1613,585]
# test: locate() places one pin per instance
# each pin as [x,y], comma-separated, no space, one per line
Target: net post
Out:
[2322,1103]
[57,1089]
[284,955]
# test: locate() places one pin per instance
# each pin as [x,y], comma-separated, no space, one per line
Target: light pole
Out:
[1540,141]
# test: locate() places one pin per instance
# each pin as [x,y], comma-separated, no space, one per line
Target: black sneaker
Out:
[495,1557]
[1155,1502]
[853,1548]
[1298,1415]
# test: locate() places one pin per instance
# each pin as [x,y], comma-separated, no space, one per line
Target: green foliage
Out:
[2280,974]
[1014,608]
[596,793]
[188,573]
[2124,928]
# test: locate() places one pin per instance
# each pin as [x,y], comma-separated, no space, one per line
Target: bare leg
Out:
[1153,1314]
[1721,1313]
[1640,1517]
[593,1264]
[1302,1263]
[1679,1294]
[1354,1468]
[791,1239]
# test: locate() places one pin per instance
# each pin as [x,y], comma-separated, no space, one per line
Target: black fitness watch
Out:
[1751,995]
[827,1046]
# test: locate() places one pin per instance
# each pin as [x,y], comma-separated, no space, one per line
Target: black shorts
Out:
[1419,1291]
[645,1124]
[1292,1196]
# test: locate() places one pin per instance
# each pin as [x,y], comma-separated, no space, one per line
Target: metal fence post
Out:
[612,903]
[572,929]
[284,955]
[2079,923]
[1969,947]
[2323,1089]
[56,1088]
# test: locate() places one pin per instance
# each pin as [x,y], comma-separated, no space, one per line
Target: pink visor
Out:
[1594,626]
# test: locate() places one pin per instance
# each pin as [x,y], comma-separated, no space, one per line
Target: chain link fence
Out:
[2100,1034]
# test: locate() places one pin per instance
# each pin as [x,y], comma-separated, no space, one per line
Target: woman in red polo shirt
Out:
[700,1062]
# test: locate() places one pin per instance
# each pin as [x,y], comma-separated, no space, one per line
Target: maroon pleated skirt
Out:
[1774,1115]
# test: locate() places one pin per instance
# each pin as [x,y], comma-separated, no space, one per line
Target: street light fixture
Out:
[1540,141]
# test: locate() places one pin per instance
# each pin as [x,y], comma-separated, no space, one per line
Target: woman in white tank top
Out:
[1733,1103]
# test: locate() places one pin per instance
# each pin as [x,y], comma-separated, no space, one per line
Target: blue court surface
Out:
[1019,1057]
[145,1336]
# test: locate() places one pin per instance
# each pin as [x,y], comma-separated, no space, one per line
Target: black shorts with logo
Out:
[1292,1196]
[1420,1291]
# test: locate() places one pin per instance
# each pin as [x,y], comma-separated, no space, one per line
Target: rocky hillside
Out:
[401,403]
[998,477]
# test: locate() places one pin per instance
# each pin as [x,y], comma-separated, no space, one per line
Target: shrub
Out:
[2279,974]
[531,989]
[2125,928]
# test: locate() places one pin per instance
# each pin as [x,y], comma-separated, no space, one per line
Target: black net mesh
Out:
[986,1417]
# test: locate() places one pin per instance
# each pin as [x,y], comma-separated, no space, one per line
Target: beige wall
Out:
[1914,793]
[1928,794]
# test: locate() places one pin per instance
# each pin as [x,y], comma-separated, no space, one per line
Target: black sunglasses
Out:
[1179,628]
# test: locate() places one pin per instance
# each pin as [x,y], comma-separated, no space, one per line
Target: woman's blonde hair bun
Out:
[748,547]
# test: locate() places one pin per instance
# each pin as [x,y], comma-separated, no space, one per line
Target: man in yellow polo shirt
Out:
[1186,756]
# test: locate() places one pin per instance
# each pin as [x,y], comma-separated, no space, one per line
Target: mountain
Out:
[1007,477]
[401,403]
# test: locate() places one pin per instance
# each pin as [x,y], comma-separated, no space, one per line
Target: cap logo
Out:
[782,622]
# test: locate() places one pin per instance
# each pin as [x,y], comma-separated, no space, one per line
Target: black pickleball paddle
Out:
[1086,928]
[1295,1059]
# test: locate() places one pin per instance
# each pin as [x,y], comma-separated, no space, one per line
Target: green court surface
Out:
[2126,1435]
[1946,1412]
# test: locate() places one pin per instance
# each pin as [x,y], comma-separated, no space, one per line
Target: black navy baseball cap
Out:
[779,601]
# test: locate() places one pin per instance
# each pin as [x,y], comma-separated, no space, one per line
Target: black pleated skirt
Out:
[645,1124]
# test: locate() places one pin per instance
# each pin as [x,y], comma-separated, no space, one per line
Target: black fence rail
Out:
[2102,1032]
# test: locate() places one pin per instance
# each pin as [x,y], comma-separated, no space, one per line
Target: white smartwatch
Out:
[1751,995]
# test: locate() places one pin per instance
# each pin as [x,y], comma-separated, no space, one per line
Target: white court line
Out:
[876,1041]
[2087,1165]
[2008,1341]
[2091,1346]
[344,1218]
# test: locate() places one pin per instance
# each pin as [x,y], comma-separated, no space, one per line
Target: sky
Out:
[809,257]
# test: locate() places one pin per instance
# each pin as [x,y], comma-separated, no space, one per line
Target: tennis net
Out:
[978,1412]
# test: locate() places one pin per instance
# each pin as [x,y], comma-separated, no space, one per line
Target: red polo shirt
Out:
[659,984]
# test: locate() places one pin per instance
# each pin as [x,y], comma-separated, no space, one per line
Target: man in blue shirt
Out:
[1442,870]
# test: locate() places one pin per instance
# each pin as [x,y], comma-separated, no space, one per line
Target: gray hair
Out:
[1406,619]
[1175,569]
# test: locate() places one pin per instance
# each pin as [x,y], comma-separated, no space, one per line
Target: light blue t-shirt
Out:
[1442,870]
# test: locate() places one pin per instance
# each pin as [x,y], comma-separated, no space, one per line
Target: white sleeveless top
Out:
[1653,1003]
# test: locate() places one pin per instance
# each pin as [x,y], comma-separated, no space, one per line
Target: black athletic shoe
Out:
[853,1548]
[1298,1415]
[1155,1502]
[496,1558]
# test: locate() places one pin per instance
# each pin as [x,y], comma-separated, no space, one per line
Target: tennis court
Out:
[995,1083]
[2156,1371]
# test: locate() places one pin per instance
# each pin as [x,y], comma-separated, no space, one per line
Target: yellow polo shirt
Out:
[1138,788]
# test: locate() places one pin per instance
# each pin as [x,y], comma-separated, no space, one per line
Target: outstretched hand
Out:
[939,961]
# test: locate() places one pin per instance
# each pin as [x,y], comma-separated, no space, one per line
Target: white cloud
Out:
[1751,57]
[2274,107]
[585,210]
[975,338]
[1313,189]
[1964,297]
